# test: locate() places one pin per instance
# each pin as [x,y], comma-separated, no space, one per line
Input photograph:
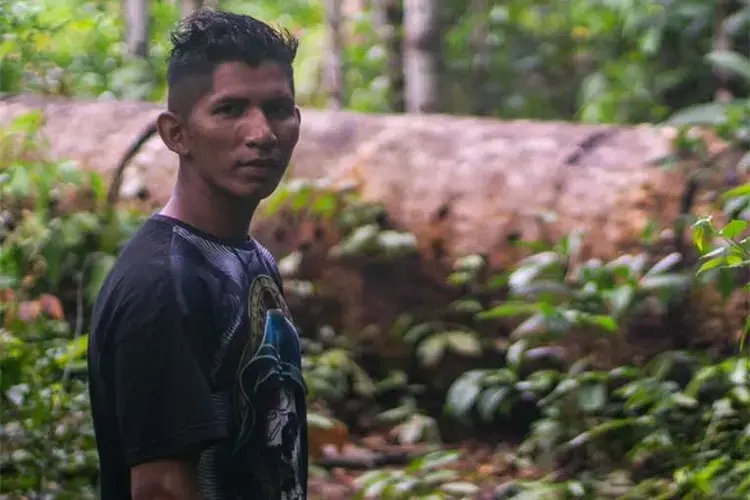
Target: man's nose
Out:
[257,132]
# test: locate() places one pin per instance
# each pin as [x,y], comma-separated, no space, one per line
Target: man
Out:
[196,388]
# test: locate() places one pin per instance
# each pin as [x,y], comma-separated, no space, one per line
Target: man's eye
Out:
[230,110]
[279,110]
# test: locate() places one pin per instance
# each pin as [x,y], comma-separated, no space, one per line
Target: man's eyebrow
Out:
[278,97]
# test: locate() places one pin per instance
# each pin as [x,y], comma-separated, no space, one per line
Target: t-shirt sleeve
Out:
[162,391]
[273,267]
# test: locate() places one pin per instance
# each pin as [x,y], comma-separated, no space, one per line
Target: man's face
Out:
[240,136]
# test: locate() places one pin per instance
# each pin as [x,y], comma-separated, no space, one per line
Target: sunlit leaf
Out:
[731,61]
[734,228]
[463,342]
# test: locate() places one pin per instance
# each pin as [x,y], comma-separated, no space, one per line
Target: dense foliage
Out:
[673,425]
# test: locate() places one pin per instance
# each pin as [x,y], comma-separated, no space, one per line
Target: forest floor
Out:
[483,464]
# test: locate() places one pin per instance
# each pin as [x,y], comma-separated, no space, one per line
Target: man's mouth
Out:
[259,169]
[259,163]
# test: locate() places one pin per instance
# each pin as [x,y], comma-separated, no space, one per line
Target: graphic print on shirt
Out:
[259,391]
[269,383]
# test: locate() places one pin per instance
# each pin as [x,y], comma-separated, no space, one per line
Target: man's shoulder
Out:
[266,257]
[145,269]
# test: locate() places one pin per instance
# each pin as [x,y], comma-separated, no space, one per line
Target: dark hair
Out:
[207,38]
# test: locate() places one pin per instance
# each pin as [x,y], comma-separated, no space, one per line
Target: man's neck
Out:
[209,210]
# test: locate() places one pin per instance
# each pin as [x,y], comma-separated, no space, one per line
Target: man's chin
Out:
[256,191]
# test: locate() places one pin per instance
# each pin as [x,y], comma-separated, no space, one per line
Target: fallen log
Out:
[461,185]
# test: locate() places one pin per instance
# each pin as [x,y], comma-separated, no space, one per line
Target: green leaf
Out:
[418,332]
[703,231]
[434,460]
[731,61]
[508,310]
[463,393]
[531,326]
[734,228]
[319,421]
[515,353]
[712,113]
[431,350]
[606,323]
[736,192]
[665,264]
[491,401]
[664,282]
[710,264]
[470,306]
[411,431]
[461,488]
[100,268]
[463,342]
[592,397]
[621,298]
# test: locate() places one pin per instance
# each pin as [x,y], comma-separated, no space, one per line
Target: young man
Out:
[196,388]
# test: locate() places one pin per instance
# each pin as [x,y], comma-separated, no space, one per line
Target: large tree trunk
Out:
[334,57]
[422,55]
[137,19]
[460,184]
[389,22]
[480,71]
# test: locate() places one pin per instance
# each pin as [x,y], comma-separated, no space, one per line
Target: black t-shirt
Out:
[192,344]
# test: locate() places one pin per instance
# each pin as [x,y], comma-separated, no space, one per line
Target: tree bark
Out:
[422,55]
[137,20]
[480,73]
[461,185]
[334,57]
[389,22]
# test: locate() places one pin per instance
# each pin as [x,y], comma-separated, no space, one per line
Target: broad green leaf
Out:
[742,190]
[661,282]
[462,488]
[731,61]
[462,395]
[621,298]
[534,325]
[665,264]
[515,353]
[710,264]
[463,342]
[431,350]
[491,401]
[712,113]
[733,229]
[592,397]
[508,310]
[606,323]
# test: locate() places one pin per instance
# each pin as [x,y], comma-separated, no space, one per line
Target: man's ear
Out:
[298,113]
[172,131]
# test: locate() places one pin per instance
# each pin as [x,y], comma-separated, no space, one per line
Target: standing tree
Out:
[480,13]
[334,80]
[190,6]
[389,20]
[137,27]
[422,55]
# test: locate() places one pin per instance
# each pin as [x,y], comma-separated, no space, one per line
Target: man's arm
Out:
[166,479]
[162,391]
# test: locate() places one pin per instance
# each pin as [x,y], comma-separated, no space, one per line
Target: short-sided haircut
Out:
[208,38]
